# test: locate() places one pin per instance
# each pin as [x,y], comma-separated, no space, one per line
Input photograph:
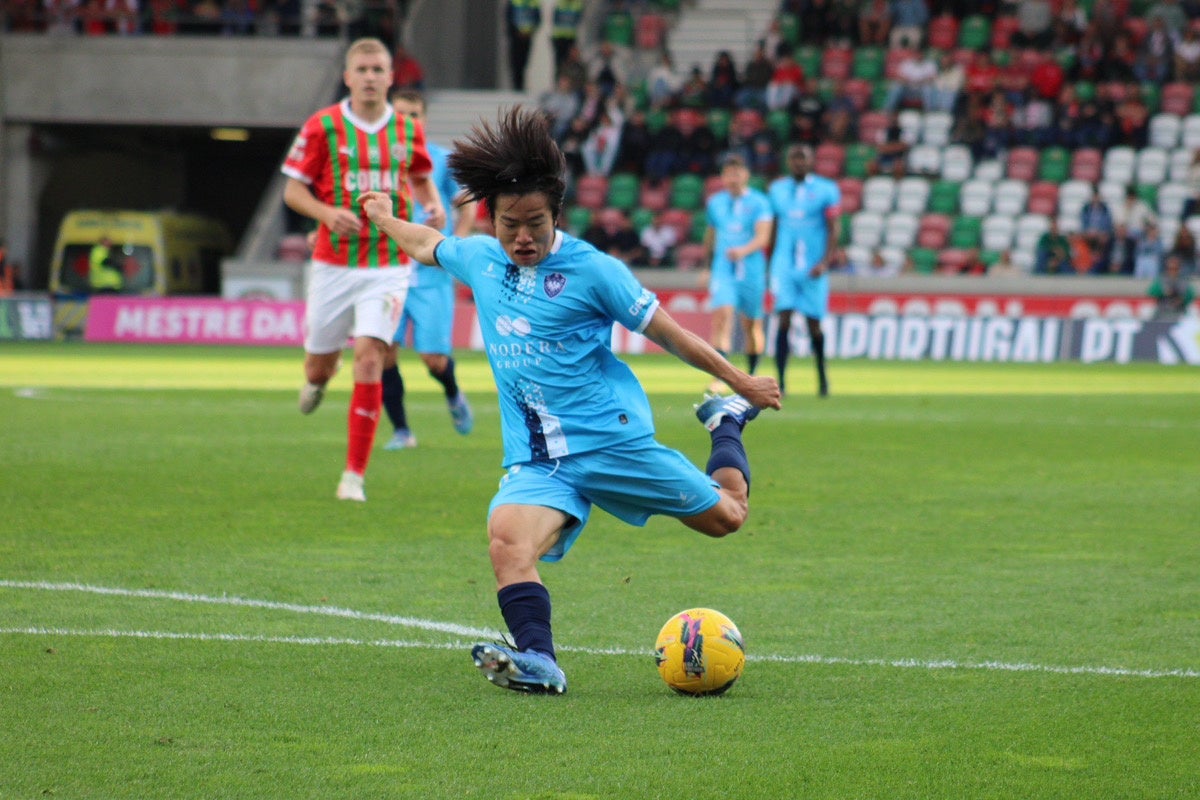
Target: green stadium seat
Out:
[641,218]
[924,260]
[809,59]
[687,192]
[779,122]
[618,29]
[943,197]
[858,159]
[623,188]
[1085,91]
[868,63]
[1054,165]
[1149,193]
[975,33]
[579,219]
[699,225]
[656,120]
[789,29]
[719,120]
[966,232]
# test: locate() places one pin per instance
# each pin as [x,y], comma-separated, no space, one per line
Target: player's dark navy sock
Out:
[526,610]
[818,345]
[781,353]
[447,380]
[728,450]
[752,361]
[393,397]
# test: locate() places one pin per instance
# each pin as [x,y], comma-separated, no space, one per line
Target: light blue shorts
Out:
[745,295]
[427,323]
[795,291]
[632,481]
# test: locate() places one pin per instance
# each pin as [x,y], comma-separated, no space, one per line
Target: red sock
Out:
[364,419]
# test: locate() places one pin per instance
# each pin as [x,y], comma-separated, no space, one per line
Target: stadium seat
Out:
[789,28]
[579,219]
[1171,198]
[943,32]
[1002,32]
[719,121]
[1023,163]
[1180,163]
[909,121]
[779,122]
[866,229]
[1189,137]
[712,185]
[690,256]
[1069,223]
[1137,27]
[1073,196]
[943,196]
[699,226]
[912,194]
[975,32]
[1086,164]
[1119,165]
[966,232]
[623,190]
[829,159]
[641,218]
[957,163]
[988,169]
[859,91]
[687,192]
[1163,130]
[975,197]
[591,191]
[1043,197]
[934,231]
[997,233]
[837,63]
[1055,164]
[924,260]
[809,59]
[955,259]
[1030,228]
[924,159]
[868,63]
[1152,166]
[879,193]
[654,195]
[872,126]
[893,58]
[1011,197]
[618,29]
[900,230]
[858,158]
[681,221]
[851,189]
[651,31]
[935,127]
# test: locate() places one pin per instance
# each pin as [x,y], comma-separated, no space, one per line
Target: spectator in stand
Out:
[753,142]
[1172,290]
[1047,79]
[238,18]
[613,233]
[1090,55]
[635,142]
[1187,250]
[970,127]
[759,70]
[602,143]
[1069,24]
[910,18]
[684,144]
[609,67]
[658,241]
[1132,119]
[406,71]
[1171,14]
[947,87]
[572,146]
[1003,267]
[813,21]
[874,22]
[1118,64]
[723,82]
[1148,254]
[1187,56]
[1155,55]
[564,29]
[560,105]
[1097,231]
[876,267]
[1035,20]
[663,83]
[787,81]
[522,18]
[1191,206]
[1000,134]
[1095,126]
[1052,255]
[891,151]
[694,91]
[914,82]
[62,17]
[813,121]
[94,19]
[982,76]
[575,68]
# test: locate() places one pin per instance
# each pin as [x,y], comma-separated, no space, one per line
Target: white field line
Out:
[472,633]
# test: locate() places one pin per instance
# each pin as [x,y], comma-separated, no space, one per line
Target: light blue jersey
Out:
[548,334]
[733,220]
[801,239]
[427,322]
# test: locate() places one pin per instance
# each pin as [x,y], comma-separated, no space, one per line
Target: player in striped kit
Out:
[358,278]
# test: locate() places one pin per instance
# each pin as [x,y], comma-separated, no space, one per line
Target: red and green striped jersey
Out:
[339,155]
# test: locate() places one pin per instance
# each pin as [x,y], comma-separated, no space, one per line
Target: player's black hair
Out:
[516,155]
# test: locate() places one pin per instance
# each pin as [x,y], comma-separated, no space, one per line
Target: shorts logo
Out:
[554,284]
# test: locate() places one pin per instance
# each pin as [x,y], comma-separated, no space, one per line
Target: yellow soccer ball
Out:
[700,652]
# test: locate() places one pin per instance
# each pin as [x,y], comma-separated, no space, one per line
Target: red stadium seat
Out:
[1087,164]
[591,191]
[654,195]
[1043,198]
[851,189]
[871,127]
[934,231]
[1002,30]
[1023,163]
[829,160]
[894,58]
[837,62]
[859,90]
[1177,98]
[943,32]
[650,32]
[689,256]
[681,221]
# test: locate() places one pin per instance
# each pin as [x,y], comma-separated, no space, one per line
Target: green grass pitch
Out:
[957,581]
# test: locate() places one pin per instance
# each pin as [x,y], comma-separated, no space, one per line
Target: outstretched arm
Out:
[668,334]
[417,240]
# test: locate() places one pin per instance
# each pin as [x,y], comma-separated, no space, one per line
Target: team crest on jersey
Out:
[554,284]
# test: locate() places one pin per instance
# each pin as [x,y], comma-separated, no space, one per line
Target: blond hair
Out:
[368,45]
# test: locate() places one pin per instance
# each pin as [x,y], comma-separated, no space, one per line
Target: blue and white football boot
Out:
[715,408]
[510,668]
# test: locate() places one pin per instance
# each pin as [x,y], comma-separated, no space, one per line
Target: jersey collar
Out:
[366,127]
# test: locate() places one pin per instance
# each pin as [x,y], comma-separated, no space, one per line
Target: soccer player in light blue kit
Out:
[808,213]
[429,306]
[577,425]
[737,236]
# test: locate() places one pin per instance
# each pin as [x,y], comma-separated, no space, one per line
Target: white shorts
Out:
[344,302]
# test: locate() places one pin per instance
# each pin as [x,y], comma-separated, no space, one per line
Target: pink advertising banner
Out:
[194,320]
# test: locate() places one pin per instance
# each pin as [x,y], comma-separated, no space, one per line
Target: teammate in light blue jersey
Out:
[577,426]
[737,236]
[808,212]
[428,319]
